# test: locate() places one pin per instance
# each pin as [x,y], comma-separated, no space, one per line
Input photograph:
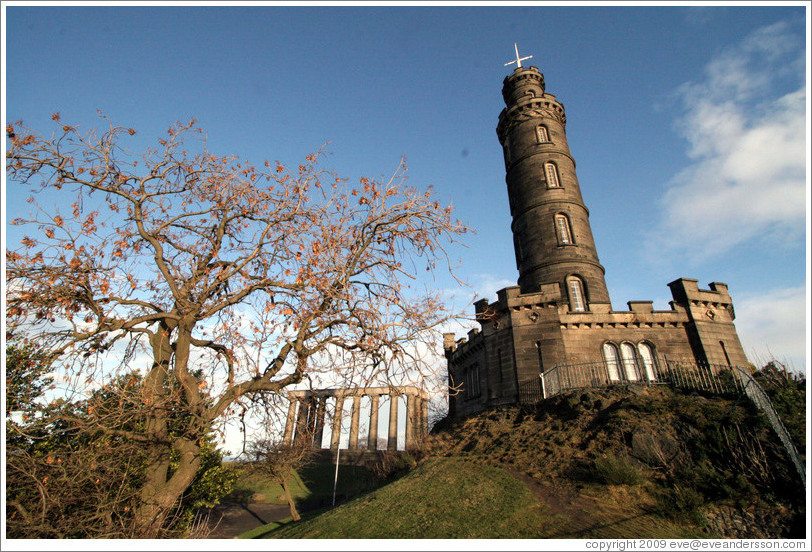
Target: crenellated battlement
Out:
[530,107]
[523,81]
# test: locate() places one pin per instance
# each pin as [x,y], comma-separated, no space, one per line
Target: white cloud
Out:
[773,325]
[747,147]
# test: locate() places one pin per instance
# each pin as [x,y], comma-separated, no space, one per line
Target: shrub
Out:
[682,504]
[392,464]
[617,470]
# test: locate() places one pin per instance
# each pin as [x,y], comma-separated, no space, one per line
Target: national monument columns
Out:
[308,409]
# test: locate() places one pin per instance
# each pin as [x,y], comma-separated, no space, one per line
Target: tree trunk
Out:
[293,512]
[159,494]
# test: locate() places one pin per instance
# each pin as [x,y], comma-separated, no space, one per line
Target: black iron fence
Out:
[714,378]
[530,391]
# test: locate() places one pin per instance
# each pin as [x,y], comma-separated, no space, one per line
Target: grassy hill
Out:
[609,463]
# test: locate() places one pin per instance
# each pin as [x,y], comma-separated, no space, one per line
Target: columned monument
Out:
[308,410]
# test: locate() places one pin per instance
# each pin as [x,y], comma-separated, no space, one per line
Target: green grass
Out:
[456,498]
[442,498]
[593,464]
[313,483]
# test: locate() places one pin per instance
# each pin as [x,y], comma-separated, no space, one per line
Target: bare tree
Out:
[280,462]
[234,281]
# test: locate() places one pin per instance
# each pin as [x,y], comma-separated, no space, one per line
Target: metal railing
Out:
[531,391]
[756,393]
[714,378]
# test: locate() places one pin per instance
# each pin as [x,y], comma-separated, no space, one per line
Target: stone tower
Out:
[551,233]
[559,322]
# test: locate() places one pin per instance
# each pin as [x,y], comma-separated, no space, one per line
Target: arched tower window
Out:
[577,297]
[542,135]
[612,360]
[629,361]
[647,357]
[551,172]
[563,229]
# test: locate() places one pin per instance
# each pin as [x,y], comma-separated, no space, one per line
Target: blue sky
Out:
[688,124]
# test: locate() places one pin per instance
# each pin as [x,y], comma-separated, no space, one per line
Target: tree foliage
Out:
[69,478]
[230,280]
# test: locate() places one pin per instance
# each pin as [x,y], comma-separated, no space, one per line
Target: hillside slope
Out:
[610,463]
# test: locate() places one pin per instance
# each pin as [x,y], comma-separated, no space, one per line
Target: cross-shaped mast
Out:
[518,60]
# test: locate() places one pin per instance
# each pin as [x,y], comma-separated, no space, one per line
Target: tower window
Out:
[542,135]
[506,151]
[551,172]
[647,356]
[577,299]
[629,361]
[610,356]
[563,230]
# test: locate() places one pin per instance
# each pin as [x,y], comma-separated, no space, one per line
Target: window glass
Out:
[542,134]
[552,175]
[629,361]
[647,356]
[562,224]
[577,301]
[612,361]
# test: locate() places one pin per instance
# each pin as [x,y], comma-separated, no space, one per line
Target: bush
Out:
[392,464]
[682,504]
[617,470]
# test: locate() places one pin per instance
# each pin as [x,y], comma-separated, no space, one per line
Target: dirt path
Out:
[228,520]
[561,499]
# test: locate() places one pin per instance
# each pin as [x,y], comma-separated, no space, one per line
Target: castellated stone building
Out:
[560,312]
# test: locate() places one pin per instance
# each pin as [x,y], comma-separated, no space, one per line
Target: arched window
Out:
[577,298]
[542,135]
[647,357]
[612,360]
[506,151]
[563,230]
[629,361]
[551,172]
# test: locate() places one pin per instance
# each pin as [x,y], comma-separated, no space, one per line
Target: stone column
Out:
[392,444]
[372,440]
[335,440]
[311,415]
[411,403]
[301,420]
[320,412]
[424,417]
[291,422]
[354,422]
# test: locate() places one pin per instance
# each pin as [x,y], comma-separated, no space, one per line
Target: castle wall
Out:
[541,332]
[711,330]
